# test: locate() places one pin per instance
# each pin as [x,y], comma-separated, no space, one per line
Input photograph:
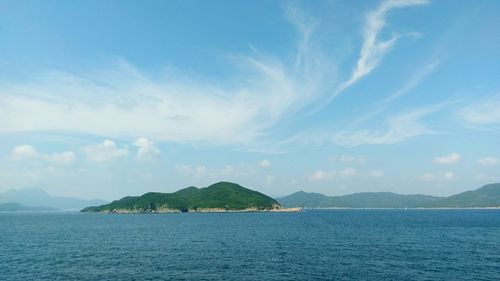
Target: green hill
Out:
[305,200]
[356,200]
[220,196]
[385,200]
[486,196]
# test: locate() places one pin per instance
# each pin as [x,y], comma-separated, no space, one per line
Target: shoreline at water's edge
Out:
[409,208]
[281,210]
[207,210]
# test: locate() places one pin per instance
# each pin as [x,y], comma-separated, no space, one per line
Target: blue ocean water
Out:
[311,245]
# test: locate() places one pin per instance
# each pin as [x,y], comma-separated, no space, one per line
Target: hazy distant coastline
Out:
[487,196]
[35,197]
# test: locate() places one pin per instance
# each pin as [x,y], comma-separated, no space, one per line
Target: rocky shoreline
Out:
[202,210]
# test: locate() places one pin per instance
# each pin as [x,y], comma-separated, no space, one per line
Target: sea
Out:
[309,245]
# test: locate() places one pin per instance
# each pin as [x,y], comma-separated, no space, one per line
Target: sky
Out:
[103,99]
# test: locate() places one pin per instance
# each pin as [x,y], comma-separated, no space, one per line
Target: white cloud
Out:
[349,159]
[446,176]
[66,157]
[488,161]
[265,163]
[348,172]
[376,174]
[321,175]
[448,159]
[146,149]
[373,49]
[24,151]
[190,171]
[228,172]
[483,113]
[400,128]
[104,152]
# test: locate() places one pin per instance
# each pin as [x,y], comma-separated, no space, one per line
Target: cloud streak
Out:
[374,49]
[322,175]
[488,161]
[448,159]
[482,113]
[228,172]
[416,79]
[438,177]
[399,128]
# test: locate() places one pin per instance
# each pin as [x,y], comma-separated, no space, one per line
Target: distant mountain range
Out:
[16,207]
[486,196]
[219,197]
[33,197]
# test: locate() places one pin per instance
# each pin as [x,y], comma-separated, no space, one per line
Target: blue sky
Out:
[102,99]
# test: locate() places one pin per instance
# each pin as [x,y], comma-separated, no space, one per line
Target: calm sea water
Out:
[312,245]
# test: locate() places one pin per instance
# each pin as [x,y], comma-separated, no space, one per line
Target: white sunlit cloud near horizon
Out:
[333,97]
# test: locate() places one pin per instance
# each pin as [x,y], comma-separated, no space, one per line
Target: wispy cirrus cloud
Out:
[399,128]
[374,49]
[482,113]
[381,106]
[414,81]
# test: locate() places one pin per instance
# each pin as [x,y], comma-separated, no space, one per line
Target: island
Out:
[218,197]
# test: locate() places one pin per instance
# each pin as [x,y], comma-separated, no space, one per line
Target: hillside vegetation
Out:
[222,195]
